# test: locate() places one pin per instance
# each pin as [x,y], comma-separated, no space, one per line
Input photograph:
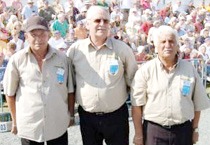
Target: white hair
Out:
[164,29]
[93,10]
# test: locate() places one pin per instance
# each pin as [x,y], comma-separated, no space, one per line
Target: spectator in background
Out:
[72,11]
[198,25]
[67,4]
[5,16]
[11,21]
[152,31]
[58,7]
[145,27]
[56,39]
[103,3]
[15,39]
[29,10]
[113,4]
[82,14]
[145,4]
[172,22]
[8,52]
[80,32]
[17,5]
[2,6]
[40,4]
[4,35]
[201,38]
[190,35]
[61,25]
[47,12]
[116,12]
[93,2]
[207,45]
[17,29]
[189,23]
[171,110]
[180,30]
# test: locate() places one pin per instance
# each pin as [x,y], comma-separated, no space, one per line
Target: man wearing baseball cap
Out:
[38,85]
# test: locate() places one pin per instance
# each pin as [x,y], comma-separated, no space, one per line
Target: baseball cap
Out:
[36,22]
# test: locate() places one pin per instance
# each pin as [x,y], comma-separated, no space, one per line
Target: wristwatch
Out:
[195,129]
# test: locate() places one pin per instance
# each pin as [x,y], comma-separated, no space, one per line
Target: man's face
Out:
[167,46]
[98,25]
[30,4]
[38,39]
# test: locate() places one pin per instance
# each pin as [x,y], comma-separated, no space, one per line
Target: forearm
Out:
[137,120]
[196,119]
[11,104]
[71,103]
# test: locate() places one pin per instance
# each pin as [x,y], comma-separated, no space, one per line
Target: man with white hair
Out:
[104,68]
[168,94]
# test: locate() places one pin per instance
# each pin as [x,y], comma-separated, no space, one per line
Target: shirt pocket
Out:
[186,86]
[114,70]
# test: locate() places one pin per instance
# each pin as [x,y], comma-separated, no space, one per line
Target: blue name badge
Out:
[113,67]
[60,75]
[186,88]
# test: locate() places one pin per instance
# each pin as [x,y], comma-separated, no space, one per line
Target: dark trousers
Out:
[155,134]
[62,140]
[111,127]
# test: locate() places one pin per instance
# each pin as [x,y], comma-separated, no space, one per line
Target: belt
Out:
[124,106]
[169,126]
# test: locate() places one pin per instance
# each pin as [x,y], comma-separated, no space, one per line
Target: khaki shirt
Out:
[161,93]
[41,101]
[97,90]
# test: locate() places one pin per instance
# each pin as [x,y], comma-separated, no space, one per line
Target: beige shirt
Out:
[41,101]
[168,98]
[98,90]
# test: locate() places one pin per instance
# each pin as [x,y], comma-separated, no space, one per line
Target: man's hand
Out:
[72,121]
[14,129]
[195,137]
[138,140]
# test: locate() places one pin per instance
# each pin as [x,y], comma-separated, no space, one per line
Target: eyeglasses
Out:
[105,21]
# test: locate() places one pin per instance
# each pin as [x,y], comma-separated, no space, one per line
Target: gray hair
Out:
[93,10]
[164,29]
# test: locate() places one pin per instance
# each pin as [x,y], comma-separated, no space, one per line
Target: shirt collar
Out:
[108,43]
[174,66]
[51,52]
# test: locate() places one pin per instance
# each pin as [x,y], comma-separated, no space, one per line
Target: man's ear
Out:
[26,35]
[87,24]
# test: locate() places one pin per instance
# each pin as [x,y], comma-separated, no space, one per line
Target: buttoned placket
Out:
[169,93]
[44,78]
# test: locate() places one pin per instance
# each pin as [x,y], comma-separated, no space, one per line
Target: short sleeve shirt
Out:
[102,75]
[168,98]
[41,98]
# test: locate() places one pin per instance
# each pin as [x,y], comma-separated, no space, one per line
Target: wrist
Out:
[72,117]
[195,129]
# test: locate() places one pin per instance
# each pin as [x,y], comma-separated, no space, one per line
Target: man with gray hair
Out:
[104,69]
[168,94]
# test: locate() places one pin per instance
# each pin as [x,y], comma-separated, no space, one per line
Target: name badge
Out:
[113,67]
[60,75]
[186,88]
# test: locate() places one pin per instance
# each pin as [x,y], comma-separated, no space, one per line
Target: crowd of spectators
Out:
[135,24]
